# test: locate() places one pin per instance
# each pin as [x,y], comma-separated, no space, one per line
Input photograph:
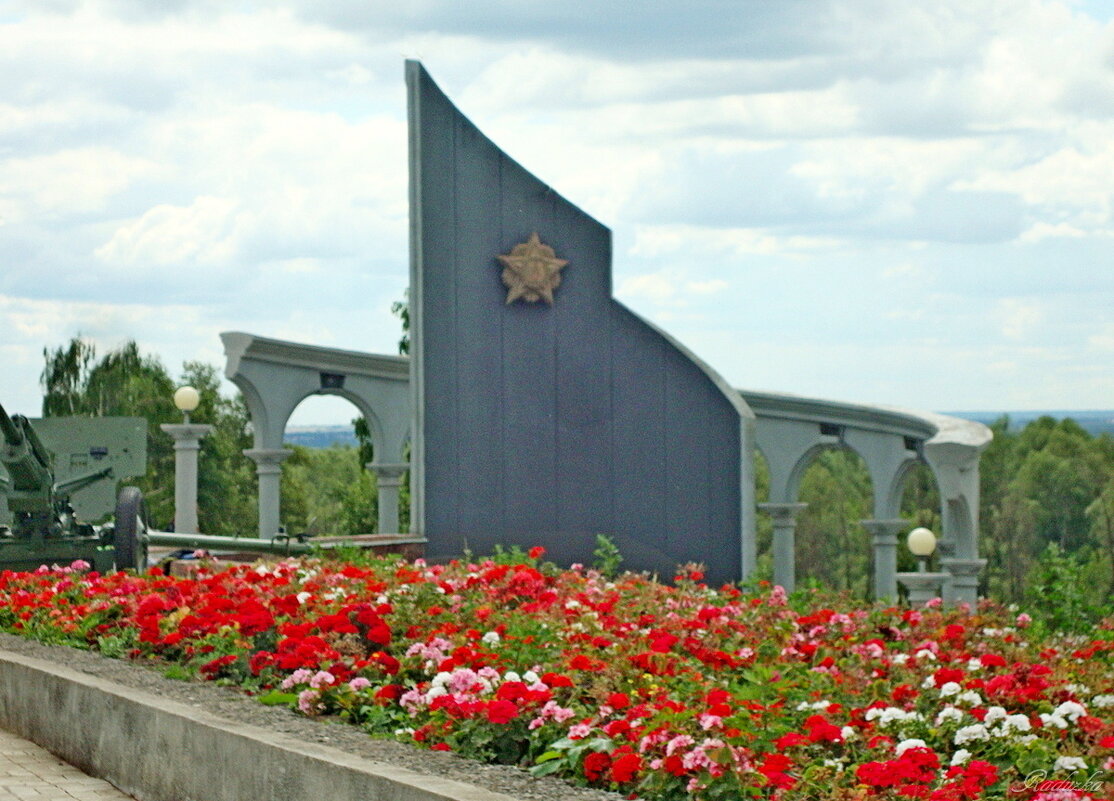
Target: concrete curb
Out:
[159,750]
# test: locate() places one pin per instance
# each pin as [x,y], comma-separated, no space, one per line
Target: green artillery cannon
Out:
[64,471]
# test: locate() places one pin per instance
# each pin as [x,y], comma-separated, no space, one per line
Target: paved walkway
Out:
[28,773]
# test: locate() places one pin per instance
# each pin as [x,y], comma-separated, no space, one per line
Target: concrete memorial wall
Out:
[546,412]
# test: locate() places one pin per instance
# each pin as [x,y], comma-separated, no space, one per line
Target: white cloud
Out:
[835,194]
[1017,317]
[201,232]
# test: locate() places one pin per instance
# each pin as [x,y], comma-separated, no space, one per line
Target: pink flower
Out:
[308,702]
[322,678]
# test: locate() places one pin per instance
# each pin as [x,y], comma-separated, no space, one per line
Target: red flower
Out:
[625,768]
[595,765]
[820,729]
[618,700]
[789,740]
[773,767]
[500,711]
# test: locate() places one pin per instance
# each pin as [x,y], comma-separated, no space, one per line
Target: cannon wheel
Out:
[130,537]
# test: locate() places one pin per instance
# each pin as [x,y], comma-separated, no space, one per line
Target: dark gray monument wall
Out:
[547,425]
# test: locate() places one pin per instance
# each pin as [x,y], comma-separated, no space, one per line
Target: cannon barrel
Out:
[12,435]
[28,463]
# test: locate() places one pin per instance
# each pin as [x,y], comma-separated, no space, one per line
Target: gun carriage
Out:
[62,474]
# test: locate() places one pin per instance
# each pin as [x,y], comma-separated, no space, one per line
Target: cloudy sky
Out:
[905,203]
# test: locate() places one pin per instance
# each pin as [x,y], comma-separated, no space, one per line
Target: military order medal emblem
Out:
[531,271]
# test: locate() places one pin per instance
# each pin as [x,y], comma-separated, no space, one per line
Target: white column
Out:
[187,443]
[784,516]
[268,467]
[884,540]
[388,479]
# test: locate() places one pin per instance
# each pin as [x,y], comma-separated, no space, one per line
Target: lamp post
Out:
[922,585]
[187,442]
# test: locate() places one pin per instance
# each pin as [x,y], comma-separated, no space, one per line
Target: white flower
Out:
[949,714]
[848,733]
[510,675]
[971,733]
[960,757]
[892,715]
[928,683]
[899,659]
[973,665]
[905,745]
[969,697]
[491,637]
[1014,723]
[1070,764]
[303,596]
[530,677]
[924,653]
[1053,720]
[1102,701]
[1071,710]
[950,688]
[993,715]
[441,679]
[818,706]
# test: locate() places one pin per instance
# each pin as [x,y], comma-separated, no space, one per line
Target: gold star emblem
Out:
[531,271]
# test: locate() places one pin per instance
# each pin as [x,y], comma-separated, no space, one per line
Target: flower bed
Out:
[660,692]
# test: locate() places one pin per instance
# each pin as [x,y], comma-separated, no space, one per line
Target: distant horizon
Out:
[1087,418]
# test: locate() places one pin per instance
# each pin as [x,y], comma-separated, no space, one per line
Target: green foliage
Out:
[606,557]
[1056,596]
[1047,484]
[327,492]
[123,382]
[832,545]
[401,310]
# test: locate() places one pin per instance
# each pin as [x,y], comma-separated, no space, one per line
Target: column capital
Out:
[785,513]
[186,433]
[966,568]
[268,460]
[388,469]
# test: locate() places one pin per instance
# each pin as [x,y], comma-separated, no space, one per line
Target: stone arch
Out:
[276,376]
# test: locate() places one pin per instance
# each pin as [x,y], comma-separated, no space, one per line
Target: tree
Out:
[401,310]
[122,383]
[125,382]
[832,545]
